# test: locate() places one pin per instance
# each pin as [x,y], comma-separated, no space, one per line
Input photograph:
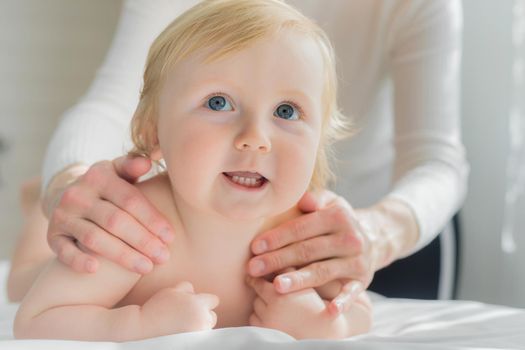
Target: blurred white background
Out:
[493,86]
[50,50]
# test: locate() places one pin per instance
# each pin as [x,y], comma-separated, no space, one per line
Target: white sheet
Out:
[398,324]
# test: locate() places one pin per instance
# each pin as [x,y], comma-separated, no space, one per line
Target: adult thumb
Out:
[308,203]
[130,168]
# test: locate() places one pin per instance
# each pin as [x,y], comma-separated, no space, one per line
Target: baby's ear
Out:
[156,153]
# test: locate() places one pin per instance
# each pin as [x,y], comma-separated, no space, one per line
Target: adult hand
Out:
[105,213]
[328,242]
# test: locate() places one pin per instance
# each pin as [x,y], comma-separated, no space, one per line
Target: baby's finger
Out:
[348,295]
[263,288]
[259,306]
[184,286]
[210,300]
[255,321]
[213,319]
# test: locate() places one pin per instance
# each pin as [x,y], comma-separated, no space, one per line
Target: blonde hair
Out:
[230,26]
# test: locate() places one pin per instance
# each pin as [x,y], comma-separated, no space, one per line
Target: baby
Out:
[239,103]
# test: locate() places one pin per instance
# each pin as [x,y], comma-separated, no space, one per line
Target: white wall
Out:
[49,51]
[488,274]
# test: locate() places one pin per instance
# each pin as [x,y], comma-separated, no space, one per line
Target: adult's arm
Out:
[424,48]
[431,170]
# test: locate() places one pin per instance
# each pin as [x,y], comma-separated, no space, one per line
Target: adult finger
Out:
[308,203]
[123,226]
[133,201]
[263,288]
[99,241]
[297,229]
[314,201]
[131,168]
[69,254]
[346,297]
[303,253]
[311,276]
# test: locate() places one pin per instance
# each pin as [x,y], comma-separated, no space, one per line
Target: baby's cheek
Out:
[295,169]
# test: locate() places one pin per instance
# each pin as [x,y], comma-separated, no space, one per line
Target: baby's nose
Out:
[252,138]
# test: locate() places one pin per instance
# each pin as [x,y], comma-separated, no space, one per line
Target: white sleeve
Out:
[431,170]
[97,127]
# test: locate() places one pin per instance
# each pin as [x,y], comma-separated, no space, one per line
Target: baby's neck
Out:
[209,230]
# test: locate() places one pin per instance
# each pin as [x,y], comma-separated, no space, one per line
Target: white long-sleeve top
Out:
[398,61]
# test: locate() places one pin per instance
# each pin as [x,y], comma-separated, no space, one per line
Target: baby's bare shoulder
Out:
[157,190]
[153,186]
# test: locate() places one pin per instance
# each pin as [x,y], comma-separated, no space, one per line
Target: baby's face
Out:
[257,112]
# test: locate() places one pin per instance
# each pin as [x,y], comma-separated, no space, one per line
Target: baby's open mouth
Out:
[246,178]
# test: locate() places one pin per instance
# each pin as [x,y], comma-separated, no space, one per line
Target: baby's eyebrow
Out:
[302,96]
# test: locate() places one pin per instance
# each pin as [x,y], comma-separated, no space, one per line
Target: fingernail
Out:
[339,306]
[285,283]
[260,247]
[354,291]
[166,235]
[257,266]
[142,266]
[161,255]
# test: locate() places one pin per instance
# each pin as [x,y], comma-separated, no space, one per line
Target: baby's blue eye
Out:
[218,103]
[287,112]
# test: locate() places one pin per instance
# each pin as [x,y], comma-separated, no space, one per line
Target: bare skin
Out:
[133,301]
[32,251]
[391,222]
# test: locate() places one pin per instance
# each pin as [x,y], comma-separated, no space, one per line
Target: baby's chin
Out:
[271,215]
[245,213]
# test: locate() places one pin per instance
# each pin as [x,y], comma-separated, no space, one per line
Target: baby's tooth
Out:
[245,181]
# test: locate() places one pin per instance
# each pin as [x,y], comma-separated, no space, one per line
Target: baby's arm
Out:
[31,252]
[65,304]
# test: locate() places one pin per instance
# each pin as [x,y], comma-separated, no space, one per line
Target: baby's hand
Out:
[302,314]
[179,309]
